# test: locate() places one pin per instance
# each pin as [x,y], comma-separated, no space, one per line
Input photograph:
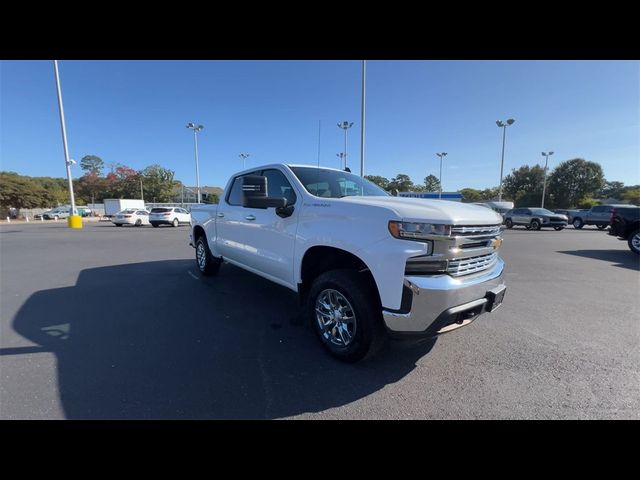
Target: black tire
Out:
[528,227]
[508,223]
[209,265]
[155,225]
[602,227]
[578,223]
[634,238]
[138,223]
[535,224]
[362,297]
[557,229]
[118,224]
[175,222]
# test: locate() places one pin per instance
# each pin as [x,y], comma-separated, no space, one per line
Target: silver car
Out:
[535,218]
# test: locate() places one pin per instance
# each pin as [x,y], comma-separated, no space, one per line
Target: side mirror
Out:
[254,194]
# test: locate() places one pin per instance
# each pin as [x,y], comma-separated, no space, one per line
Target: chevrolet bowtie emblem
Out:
[496,242]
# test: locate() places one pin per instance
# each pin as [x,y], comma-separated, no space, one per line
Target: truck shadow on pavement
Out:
[155,340]
[620,258]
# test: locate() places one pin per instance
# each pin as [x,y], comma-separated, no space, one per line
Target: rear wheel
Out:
[634,242]
[155,225]
[508,223]
[175,222]
[578,223]
[346,315]
[535,224]
[118,224]
[207,263]
[138,222]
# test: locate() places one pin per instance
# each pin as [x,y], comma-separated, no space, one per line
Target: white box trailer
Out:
[114,205]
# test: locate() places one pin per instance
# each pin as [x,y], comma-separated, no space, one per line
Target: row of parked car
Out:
[623,220]
[138,217]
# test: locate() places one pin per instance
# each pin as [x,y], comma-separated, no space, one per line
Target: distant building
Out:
[186,194]
[451,196]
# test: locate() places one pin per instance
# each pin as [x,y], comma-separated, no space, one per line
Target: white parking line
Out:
[194,276]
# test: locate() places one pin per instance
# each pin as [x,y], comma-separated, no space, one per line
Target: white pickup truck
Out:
[365,264]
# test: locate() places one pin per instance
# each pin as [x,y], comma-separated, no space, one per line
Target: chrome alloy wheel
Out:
[336,318]
[201,255]
[635,241]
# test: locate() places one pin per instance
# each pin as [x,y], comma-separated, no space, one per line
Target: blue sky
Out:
[135,112]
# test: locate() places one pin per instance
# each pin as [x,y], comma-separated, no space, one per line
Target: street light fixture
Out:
[504,126]
[196,129]
[345,126]
[443,154]
[341,157]
[243,156]
[544,182]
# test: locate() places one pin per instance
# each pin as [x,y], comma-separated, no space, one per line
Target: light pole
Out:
[504,133]
[341,157]
[196,129]
[443,154]
[364,86]
[243,156]
[74,220]
[345,126]
[544,182]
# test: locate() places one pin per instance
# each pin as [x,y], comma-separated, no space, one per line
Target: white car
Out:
[131,216]
[169,216]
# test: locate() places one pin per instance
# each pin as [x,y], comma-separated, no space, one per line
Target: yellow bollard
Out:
[74,221]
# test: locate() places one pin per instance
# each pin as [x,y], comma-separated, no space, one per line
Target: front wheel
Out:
[508,223]
[175,222]
[601,227]
[207,264]
[118,224]
[557,229]
[634,242]
[578,223]
[535,225]
[155,225]
[346,315]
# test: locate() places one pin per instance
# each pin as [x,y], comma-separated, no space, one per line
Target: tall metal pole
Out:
[244,156]
[504,133]
[345,126]
[443,154]
[195,138]
[544,182]
[141,191]
[364,76]
[67,161]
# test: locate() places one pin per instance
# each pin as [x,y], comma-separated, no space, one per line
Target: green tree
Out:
[432,184]
[91,188]
[21,192]
[523,186]
[612,190]
[632,196]
[574,180]
[158,183]
[401,182]
[382,182]
[92,164]
[471,195]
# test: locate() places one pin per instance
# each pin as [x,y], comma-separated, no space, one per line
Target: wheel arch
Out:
[320,259]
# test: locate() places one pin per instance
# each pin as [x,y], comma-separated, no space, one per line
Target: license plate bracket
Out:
[494,297]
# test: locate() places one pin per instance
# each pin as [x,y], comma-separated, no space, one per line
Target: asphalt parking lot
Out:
[107,322]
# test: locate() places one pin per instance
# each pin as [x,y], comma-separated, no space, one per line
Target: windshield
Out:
[335,183]
[541,211]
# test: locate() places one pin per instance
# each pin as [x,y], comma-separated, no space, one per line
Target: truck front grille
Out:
[466,266]
[476,231]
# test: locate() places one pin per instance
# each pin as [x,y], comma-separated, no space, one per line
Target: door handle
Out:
[220,215]
[250,217]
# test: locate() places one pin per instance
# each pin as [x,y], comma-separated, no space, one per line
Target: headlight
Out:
[418,231]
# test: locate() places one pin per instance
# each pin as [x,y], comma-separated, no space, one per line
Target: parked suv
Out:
[169,216]
[56,213]
[535,218]
[625,223]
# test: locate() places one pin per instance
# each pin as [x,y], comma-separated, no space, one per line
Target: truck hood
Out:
[434,211]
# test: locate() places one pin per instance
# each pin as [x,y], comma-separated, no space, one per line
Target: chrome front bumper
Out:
[437,304]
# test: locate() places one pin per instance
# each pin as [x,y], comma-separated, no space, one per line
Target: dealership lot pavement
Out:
[110,322]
